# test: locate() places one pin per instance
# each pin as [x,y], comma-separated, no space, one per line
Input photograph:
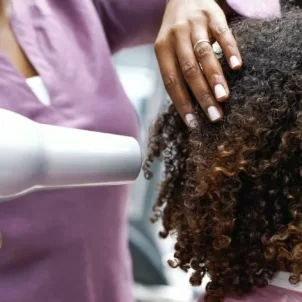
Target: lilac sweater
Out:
[71,245]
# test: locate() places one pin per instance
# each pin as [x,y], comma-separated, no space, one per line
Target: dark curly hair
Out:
[231,192]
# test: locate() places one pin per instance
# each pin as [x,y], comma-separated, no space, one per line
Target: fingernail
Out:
[234,62]
[191,120]
[214,114]
[220,91]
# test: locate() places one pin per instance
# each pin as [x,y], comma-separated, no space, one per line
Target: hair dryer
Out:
[35,157]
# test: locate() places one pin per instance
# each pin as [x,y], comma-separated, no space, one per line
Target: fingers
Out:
[185,47]
[211,67]
[220,31]
[194,77]
[174,82]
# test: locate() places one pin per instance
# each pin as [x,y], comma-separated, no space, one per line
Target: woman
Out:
[56,69]
[232,191]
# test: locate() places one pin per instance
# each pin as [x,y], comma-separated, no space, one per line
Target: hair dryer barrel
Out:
[39,157]
[77,157]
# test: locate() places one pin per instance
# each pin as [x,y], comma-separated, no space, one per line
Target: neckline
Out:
[33,78]
[39,88]
[18,18]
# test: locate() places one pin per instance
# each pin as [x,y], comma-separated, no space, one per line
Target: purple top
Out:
[257,9]
[71,245]
[268,294]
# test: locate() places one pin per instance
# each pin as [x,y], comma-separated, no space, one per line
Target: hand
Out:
[183,43]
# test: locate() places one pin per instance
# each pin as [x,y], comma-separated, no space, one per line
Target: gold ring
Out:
[199,42]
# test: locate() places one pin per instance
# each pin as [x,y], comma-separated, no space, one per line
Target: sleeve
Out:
[133,22]
[256,9]
[130,22]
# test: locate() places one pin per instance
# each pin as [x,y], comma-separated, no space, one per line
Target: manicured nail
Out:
[234,62]
[214,114]
[191,120]
[220,91]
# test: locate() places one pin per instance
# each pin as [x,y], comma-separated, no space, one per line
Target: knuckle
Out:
[202,50]
[179,27]
[221,30]
[197,18]
[204,12]
[190,70]
[232,45]
[214,74]
[184,106]
[206,97]
[218,14]
[159,45]
[170,81]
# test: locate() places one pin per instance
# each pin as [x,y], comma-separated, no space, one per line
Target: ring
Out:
[199,42]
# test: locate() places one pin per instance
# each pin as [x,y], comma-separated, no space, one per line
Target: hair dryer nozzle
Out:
[40,157]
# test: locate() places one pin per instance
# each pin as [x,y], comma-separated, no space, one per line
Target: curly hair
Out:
[231,192]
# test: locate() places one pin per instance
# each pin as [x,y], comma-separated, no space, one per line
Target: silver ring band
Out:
[201,41]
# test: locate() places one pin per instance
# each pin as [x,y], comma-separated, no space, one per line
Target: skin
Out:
[9,46]
[184,24]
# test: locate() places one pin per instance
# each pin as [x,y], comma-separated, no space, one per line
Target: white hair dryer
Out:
[40,157]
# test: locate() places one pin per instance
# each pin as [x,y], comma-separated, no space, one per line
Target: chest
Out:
[65,44]
[10,48]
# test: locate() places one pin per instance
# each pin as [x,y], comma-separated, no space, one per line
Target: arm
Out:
[130,22]
[133,22]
